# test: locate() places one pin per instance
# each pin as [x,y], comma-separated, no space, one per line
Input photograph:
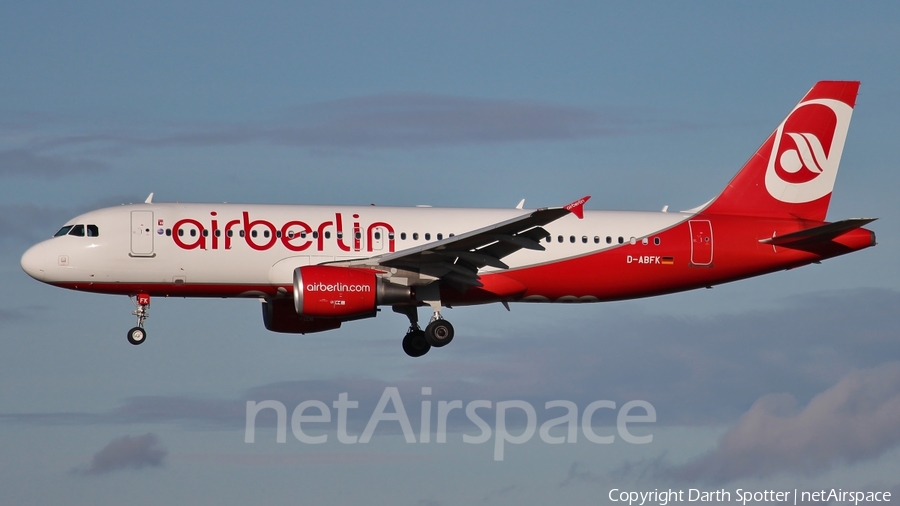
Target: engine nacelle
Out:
[279,316]
[324,291]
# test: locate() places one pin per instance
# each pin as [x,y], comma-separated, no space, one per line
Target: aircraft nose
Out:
[34,262]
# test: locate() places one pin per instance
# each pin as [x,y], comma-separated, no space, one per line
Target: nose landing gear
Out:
[138,335]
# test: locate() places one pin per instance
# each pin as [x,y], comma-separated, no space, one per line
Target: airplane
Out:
[315,267]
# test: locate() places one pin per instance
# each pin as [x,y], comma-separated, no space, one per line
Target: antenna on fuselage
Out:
[149,199]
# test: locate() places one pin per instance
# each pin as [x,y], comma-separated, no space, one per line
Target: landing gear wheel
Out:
[439,333]
[415,345]
[137,335]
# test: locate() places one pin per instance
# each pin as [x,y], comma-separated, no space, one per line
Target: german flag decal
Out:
[668,261]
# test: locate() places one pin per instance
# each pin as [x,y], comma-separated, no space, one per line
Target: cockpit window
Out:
[63,231]
[79,231]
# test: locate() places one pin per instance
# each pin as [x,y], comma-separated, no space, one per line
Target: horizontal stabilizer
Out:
[818,234]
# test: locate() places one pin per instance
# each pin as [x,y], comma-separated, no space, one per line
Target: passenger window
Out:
[168,232]
[63,231]
[596,239]
[93,231]
[440,236]
[340,234]
[559,238]
[193,232]
[549,238]
[253,233]
[77,230]
[608,240]
[277,233]
[218,233]
[584,239]
[402,236]
[621,240]
[415,236]
[427,236]
[241,233]
[205,233]
[656,241]
[451,234]
[391,236]
[327,235]
[377,236]
[315,234]
[180,232]
[572,239]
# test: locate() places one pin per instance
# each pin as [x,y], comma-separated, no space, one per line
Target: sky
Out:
[782,382]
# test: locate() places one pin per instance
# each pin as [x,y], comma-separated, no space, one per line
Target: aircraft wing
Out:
[458,258]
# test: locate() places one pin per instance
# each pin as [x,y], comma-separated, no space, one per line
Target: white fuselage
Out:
[259,245]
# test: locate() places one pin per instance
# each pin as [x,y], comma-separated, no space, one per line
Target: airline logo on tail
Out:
[807,150]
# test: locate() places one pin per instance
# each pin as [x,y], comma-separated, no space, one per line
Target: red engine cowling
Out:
[324,291]
[279,316]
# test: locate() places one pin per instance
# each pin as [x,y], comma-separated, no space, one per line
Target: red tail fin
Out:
[793,172]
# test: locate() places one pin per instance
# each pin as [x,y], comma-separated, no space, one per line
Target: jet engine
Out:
[279,316]
[323,291]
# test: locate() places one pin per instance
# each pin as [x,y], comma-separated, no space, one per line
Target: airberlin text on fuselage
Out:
[294,235]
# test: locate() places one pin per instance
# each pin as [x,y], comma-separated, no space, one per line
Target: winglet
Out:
[577,207]
[149,199]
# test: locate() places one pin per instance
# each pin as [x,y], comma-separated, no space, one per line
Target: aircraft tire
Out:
[415,345]
[137,335]
[439,333]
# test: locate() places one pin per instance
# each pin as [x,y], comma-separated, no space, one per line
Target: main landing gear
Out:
[439,332]
[138,335]
[418,342]
[414,343]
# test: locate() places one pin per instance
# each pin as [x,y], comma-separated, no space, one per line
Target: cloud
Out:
[857,419]
[127,452]
[28,223]
[500,493]
[11,315]
[403,120]
[31,163]
[410,120]
[578,474]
